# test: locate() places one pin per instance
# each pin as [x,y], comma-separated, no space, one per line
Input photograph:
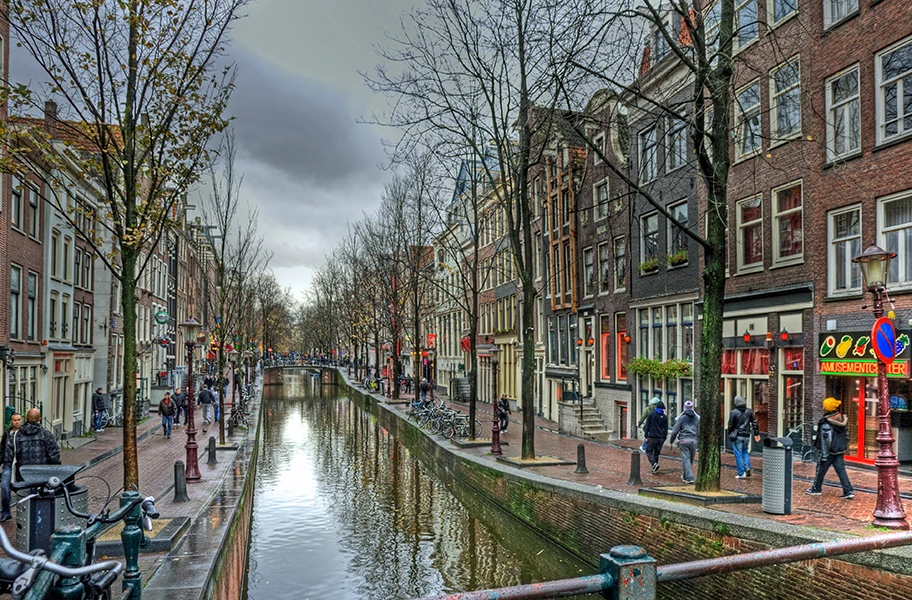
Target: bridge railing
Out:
[629,573]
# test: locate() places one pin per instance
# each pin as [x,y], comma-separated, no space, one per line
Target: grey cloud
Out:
[304,130]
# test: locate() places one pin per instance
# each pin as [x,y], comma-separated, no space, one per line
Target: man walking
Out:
[831,440]
[644,416]
[166,409]
[205,400]
[656,430]
[742,425]
[31,445]
[503,413]
[8,434]
[687,431]
[98,408]
[180,406]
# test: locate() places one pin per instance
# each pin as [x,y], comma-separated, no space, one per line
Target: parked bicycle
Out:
[802,442]
[437,418]
[70,571]
[109,419]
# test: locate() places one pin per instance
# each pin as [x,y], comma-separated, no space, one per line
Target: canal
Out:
[343,511]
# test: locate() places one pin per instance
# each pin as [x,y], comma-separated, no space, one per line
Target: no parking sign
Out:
[883,338]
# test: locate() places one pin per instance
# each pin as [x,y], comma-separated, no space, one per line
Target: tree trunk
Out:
[128,298]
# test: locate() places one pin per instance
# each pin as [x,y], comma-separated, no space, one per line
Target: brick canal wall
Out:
[589,522]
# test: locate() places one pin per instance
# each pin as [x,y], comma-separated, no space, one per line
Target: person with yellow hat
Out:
[831,441]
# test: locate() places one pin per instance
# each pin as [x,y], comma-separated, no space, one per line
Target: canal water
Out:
[343,511]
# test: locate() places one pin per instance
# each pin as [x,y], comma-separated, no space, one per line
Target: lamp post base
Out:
[495,437]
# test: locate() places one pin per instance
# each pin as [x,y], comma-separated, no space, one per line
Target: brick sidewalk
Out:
[157,456]
[609,467]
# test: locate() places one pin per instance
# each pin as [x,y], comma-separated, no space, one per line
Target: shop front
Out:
[847,361]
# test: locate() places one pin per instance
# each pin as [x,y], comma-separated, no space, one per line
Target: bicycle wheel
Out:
[477,428]
[104,419]
[436,425]
[423,420]
[448,430]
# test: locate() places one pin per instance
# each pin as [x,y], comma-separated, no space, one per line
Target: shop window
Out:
[605,337]
[620,320]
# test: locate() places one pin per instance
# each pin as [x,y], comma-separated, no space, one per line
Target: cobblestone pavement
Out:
[157,456]
[609,467]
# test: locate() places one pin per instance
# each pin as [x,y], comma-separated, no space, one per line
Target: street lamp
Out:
[495,428]
[875,265]
[247,354]
[191,329]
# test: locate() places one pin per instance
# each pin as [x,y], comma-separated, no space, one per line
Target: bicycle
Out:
[112,420]
[805,449]
[70,571]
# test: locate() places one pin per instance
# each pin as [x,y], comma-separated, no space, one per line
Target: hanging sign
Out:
[161,317]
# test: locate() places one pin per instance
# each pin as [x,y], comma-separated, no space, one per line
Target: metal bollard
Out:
[581,459]
[230,427]
[212,461]
[180,483]
[635,470]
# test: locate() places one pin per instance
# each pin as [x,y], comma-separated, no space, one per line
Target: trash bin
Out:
[777,476]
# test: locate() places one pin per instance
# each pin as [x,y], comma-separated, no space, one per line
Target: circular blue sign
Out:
[883,339]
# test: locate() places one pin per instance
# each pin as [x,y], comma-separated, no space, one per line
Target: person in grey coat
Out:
[687,432]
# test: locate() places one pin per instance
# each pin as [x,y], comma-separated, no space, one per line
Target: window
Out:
[15,306]
[55,253]
[658,348]
[671,330]
[659,41]
[67,268]
[552,335]
[620,328]
[77,267]
[788,230]
[895,220]
[32,325]
[589,275]
[785,100]
[620,263]
[835,11]
[599,143]
[33,213]
[16,203]
[746,26]
[649,244]
[677,143]
[87,264]
[780,9]
[712,20]
[648,148]
[77,319]
[687,331]
[843,115]
[677,239]
[747,120]
[65,318]
[845,244]
[52,320]
[601,200]
[565,206]
[567,271]
[750,233]
[604,258]
[894,91]
[605,346]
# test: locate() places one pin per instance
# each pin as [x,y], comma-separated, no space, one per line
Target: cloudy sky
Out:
[309,165]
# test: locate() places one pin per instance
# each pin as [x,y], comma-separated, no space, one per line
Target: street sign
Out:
[161,317]
[883,337]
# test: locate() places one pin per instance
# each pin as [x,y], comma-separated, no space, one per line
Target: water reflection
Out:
[342,510]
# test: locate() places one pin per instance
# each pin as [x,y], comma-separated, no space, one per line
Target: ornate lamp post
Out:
[495,428]
[191,329]
[875,265]
[247,354]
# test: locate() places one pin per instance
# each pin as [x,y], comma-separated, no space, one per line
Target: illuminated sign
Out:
[862,368]
[856,345]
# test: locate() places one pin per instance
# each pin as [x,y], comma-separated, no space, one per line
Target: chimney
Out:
[50,118]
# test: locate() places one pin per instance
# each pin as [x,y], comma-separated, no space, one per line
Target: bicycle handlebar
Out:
[45,564]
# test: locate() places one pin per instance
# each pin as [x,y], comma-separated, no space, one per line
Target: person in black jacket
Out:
[98,407]
[741,425]
[656,430]
[831,441]
[503,413]
[31,445]
[15,425]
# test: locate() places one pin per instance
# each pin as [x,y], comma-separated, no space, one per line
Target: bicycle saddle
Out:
[37,475]
[10,568]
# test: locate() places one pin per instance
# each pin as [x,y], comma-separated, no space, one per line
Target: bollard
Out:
[230,427]
[180,483]
[635,470]
[581,459]
[212,462]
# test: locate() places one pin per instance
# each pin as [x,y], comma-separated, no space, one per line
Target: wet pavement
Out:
[609,468]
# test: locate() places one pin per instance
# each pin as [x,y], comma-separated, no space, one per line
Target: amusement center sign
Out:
[852,354]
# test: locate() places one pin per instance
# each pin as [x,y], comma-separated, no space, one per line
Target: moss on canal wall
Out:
[589,522]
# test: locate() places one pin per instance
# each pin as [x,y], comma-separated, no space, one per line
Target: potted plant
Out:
[678,257]
[649,265]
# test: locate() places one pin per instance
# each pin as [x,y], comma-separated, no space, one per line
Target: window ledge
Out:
[827,28]
[749,270]
[904,137]
[784,141]
[740,159]
[838,160]
[792,262]
[740,48]
[678,266]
